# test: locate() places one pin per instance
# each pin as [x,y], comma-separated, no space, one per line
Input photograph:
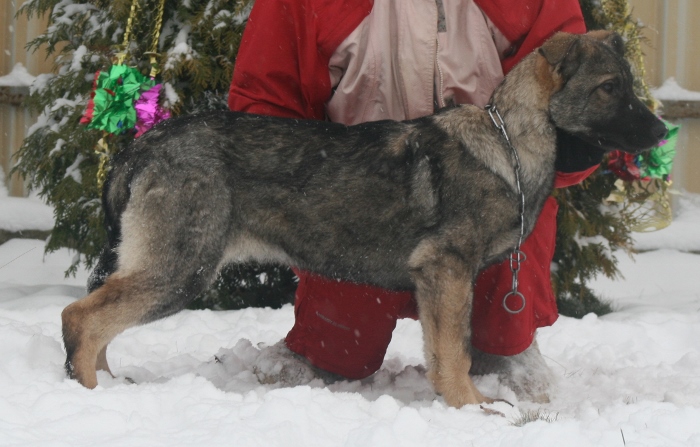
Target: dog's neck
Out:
[523,100]
[523,103]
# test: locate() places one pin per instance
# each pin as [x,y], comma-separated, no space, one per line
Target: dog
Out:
[418,205]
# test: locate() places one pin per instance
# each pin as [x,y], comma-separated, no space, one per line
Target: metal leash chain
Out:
[517,256]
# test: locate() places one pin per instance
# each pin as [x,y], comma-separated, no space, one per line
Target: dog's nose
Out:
[659,130]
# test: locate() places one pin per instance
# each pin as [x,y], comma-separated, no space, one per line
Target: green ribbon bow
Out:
[657,163]
[116,92]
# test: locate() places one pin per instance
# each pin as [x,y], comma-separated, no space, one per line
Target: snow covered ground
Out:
[629,378]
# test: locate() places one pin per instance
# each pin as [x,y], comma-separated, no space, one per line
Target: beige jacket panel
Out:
[394,66]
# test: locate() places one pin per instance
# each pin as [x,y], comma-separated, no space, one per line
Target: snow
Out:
[670,90]
[41,82]
[24,214]
[3,188]
[629,378]
[181,48]
[683,233]
[66,12]
[78,55]
[18,77]
[171,96]
[47,119]
[18,214]
[74,171]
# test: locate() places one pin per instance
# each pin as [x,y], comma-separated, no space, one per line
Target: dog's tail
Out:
[115,196]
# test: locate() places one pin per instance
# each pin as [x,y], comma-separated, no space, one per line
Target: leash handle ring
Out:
[505,302]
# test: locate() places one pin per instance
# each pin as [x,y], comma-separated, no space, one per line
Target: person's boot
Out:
[277,364]
[527,373]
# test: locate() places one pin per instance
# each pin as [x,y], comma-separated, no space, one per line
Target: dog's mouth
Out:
[633,143]
[609,145]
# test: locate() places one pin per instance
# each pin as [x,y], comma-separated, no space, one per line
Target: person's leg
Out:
[340,328]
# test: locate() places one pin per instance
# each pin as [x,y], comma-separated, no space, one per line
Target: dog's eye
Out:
[608,87]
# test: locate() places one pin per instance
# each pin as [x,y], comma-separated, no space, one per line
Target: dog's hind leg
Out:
[92,322]
[122,302]
[106,265]
[444,294]
[171,249]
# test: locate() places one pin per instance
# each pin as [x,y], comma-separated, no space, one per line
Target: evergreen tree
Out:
[197,42]
[197,45]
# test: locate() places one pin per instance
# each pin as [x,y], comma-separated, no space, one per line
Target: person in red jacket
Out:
[352,61]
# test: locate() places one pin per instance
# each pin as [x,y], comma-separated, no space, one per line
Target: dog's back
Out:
[350,202]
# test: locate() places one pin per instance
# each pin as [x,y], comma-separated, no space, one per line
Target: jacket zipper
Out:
[441,81]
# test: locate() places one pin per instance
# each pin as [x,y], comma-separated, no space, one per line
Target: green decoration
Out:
[116,92]
[657,163]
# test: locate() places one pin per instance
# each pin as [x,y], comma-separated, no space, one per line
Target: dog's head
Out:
[593,97]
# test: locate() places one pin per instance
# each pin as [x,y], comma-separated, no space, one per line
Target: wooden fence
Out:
[15,32]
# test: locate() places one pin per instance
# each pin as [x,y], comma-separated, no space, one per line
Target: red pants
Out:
[345,328]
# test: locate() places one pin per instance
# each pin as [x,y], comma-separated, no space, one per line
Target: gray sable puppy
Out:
[422,205]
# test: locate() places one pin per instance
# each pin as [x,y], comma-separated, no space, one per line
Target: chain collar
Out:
[516,256]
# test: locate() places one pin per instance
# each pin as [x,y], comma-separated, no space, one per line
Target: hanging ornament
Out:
[90,108]
[623,165]
[113,99]
[148,110]
[122,98]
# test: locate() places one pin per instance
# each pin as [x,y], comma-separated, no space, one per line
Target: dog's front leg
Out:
[444,294]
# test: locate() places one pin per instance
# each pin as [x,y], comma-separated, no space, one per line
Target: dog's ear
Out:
[561,52]
[611,39]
